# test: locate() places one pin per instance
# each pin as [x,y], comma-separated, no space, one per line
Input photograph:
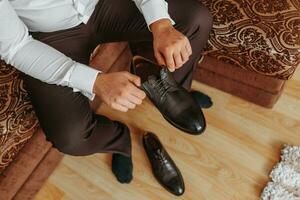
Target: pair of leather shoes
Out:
[163,167]
[174,102]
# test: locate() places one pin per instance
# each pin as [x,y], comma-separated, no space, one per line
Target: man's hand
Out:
[171,48]
[119,90]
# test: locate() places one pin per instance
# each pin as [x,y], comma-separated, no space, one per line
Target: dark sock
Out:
[122,167]
[202,99]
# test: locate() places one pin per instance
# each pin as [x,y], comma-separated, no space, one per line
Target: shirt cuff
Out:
[82,79]
[155,10]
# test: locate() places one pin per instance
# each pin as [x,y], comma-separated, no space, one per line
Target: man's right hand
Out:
[119,90]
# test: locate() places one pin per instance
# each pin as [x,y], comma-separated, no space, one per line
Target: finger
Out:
[126,103]
[137,92]
[178,60]
[134,99]
[160,59]
[134,79]
[119,107]
[188,47]
[170,63]
[184,55]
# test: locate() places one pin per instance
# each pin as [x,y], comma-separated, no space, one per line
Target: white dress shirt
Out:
[43,62]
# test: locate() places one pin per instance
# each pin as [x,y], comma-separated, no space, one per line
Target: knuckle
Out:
[127,87]
[180,45]
[117,100]
[138,79]
[182,38]
[113,105]
[112,100]
[127,84]
[167,48]
[119,94]
[127,73]
[122,93]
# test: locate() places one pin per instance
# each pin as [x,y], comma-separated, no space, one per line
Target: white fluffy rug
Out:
[285,177]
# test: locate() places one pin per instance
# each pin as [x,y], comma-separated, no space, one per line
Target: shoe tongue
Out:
[163,74]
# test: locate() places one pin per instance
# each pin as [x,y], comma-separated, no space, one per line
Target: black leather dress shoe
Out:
[163,167]
[173,101]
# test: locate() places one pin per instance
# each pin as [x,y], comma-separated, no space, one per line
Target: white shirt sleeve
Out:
[39,60]
[153,10]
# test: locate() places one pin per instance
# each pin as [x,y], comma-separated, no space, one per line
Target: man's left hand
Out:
[171,48]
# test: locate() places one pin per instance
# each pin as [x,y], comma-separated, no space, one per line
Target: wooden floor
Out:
[231,161]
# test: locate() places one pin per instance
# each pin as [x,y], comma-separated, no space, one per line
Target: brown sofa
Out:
[21,141]
[253,50]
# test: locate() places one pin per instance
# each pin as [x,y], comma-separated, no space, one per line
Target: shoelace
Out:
[163,87]
[161,157]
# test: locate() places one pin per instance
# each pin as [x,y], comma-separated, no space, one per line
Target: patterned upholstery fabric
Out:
[17,118]
[257,35]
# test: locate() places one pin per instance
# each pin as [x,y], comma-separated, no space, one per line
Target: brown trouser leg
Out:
[65,116]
